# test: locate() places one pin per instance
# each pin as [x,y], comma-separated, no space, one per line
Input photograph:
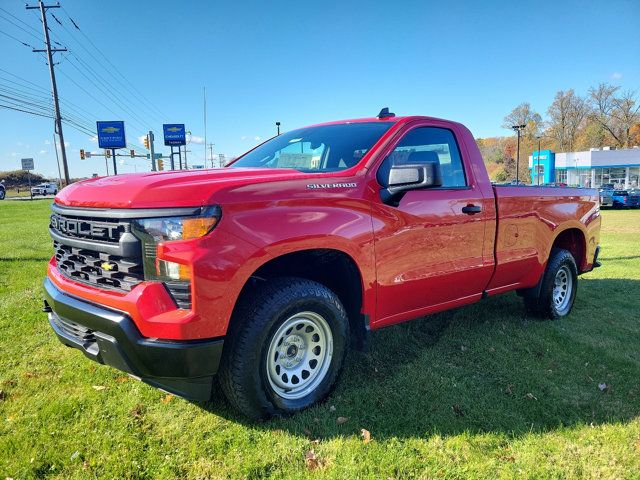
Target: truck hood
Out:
[175,188]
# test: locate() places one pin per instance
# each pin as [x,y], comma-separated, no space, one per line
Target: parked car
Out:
[44,189]
[265,271]
[635,197]
[606,198]
[622,199]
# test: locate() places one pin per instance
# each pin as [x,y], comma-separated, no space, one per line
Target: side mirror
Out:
[400,178]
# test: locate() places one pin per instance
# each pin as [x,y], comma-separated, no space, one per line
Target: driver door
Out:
[429,248]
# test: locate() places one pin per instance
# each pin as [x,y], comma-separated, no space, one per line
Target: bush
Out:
[20,179]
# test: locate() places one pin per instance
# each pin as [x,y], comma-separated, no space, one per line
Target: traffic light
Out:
[160,165]
[146,142]
[133,153]
[81,154]
[107,153]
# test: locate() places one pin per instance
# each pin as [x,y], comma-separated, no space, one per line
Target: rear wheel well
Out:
[332,268]
[573,240]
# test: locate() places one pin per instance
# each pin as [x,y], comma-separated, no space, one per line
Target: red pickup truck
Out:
[264,272]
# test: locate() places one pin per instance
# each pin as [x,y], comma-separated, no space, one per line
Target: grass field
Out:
[14,192]
[479,392]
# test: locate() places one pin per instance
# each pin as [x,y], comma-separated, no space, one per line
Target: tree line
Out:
[605,116]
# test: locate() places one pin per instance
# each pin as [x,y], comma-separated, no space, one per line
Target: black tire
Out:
[545,304]
[261,314]
[2,193]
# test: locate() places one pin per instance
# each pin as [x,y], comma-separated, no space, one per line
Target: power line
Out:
[21,21]
[116,96]
[23,80]
[105,90]
[25,111]
[73,125]
[93,97]
[121,104]
[16,39]
[6,84]
[137,97]
[54,89]
[138,92]
[18,26]
[44,102]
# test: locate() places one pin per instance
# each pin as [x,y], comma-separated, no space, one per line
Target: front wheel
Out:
[558,288]
[285,347]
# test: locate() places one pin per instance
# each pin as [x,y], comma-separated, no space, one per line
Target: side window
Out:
[432,144]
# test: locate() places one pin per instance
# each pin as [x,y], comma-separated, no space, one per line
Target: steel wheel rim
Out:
[299,355]
[562,287]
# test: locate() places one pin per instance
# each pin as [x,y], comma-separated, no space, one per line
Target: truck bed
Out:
[528,219]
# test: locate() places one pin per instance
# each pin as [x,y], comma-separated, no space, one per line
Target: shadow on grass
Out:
[487,368]
[25,259]
[629,257]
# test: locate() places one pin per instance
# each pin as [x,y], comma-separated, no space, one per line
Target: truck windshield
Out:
[326,148]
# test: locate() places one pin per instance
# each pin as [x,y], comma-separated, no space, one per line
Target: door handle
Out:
[471,209]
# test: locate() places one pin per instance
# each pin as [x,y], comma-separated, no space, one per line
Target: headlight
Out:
[152,231]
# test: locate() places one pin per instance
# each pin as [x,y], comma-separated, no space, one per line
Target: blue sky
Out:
[304,62]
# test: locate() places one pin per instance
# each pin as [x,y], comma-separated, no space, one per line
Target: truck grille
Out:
[97,268]
[93,247]
[96,249]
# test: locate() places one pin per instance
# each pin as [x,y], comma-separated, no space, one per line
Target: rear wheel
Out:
[285,348]
[2,193]
[558,288]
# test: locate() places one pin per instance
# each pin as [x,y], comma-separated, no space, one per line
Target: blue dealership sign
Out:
[174,134]
[111,135]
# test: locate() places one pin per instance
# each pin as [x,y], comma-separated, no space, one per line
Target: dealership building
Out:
[592,168]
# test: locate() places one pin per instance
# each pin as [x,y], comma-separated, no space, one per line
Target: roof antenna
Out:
[385,113]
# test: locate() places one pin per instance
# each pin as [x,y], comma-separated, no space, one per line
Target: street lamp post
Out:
[518,129]
[538,167]
[278,127]
[188,141]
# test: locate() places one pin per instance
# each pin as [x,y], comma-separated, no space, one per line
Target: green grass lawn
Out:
[14,192]
[479,392]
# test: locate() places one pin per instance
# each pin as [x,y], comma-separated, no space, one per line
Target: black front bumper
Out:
[107,336]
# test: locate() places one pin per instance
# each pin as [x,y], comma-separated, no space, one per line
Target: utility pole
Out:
[115,167]
[278,127]
[153,155]
[55,146]
[204,109]
[211,154]
[56,105]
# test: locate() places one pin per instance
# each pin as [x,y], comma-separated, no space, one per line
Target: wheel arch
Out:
[572,239]
[333,268]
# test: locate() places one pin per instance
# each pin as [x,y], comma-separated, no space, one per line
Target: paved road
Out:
[37,197]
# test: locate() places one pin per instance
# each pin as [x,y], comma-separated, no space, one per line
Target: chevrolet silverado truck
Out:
[259,276]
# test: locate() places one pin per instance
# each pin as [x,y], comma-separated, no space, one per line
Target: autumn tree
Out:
[634,135]
[616,112]
[523,114]
[567,115]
